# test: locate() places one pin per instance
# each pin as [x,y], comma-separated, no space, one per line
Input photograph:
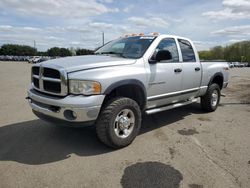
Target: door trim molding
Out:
[172,94]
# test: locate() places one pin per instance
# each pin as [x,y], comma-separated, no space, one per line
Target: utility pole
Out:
[103,38]
[34,44]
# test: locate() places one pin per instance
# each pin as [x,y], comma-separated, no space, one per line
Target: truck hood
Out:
[77,63]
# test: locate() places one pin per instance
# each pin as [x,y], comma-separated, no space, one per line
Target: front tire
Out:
[119,122]
[211,100]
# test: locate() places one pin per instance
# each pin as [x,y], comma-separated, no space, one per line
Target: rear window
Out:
[187,51]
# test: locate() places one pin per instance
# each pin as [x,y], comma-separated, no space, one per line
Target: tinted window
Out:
[170,45]
[187,51]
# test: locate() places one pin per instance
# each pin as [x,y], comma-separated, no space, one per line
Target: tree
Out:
[55,51]
[17,50]
[237,52]
[42,53]
[205,55]
[65,52]
[218,52]
[84,52]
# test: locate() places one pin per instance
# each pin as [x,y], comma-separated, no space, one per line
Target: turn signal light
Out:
[155,33]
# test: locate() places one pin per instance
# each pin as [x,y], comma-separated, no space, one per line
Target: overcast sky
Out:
[79,23]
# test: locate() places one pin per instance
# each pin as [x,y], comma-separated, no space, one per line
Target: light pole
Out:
[34,44]
[103,38]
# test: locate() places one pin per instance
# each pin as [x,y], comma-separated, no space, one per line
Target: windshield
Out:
[131,47]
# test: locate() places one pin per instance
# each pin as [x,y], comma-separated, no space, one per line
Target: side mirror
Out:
[152,61]
[160,56]
[163,55]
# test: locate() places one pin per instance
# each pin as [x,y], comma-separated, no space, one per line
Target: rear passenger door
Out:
[191,70]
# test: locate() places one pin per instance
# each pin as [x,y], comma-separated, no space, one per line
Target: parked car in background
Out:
[7,58]
[30,59]
[33,59]
[238,64]
[245,64]
[44,59]
[38,59]
[231,65]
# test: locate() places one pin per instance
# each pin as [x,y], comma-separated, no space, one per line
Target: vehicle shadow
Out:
[235,103]
[37,142]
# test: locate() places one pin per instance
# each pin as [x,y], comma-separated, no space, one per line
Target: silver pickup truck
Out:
[125,78]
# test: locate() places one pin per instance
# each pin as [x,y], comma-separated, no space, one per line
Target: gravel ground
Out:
[178,148]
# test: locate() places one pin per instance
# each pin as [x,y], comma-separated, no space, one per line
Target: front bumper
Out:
[70,108]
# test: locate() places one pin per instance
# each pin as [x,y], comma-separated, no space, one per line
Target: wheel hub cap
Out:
[124,123]
[214,99]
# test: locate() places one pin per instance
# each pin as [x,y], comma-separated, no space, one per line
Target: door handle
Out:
[178,70]
[197,69]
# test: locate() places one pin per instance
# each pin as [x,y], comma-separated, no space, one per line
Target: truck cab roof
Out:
[157,35]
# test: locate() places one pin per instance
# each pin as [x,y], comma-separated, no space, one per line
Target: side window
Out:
[187,51]
[170,45]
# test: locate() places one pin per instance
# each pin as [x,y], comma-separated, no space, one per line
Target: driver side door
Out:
[165,78]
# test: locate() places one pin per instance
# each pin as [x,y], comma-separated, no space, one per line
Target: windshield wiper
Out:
[115,53]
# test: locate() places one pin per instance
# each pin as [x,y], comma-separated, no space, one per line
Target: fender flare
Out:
[127,82]
[216,74]
[134,82]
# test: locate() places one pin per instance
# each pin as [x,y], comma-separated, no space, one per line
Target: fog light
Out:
[70,115]
[74,114]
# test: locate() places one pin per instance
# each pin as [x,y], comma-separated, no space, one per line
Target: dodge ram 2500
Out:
[123,79]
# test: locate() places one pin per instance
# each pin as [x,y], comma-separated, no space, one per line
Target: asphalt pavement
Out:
[183,147]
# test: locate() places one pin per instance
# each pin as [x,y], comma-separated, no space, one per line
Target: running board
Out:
[171,106]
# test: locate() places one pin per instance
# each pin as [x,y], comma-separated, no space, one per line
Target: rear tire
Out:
[119,122]
[211,100]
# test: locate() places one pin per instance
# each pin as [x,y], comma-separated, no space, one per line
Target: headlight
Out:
[84,87]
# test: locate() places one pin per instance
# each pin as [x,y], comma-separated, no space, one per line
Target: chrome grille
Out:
[51,80]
